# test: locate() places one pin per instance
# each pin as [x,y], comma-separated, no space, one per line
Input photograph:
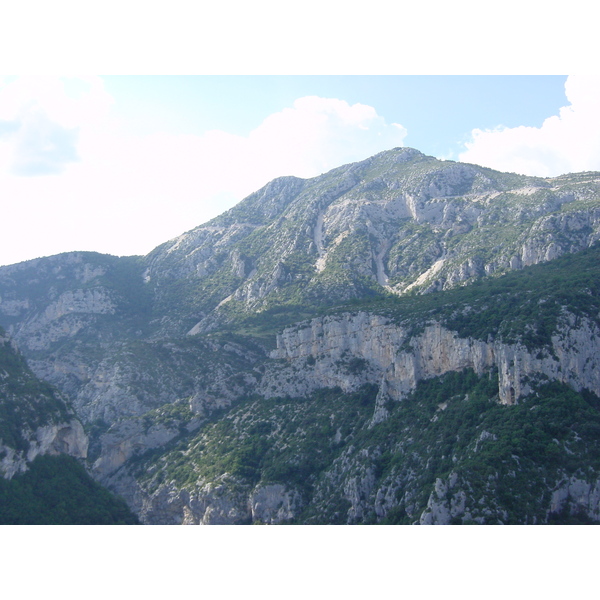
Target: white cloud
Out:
[118,193]
[40,122]
[565,143]
[318,134]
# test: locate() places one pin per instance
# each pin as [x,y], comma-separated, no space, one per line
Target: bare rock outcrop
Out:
[225,501]
[63,438]
[352,349]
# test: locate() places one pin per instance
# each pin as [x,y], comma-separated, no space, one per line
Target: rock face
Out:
[440,510]
[577,496]
[64,438]
[63,317]
[327,352]
[224,501]
[448,501]
[34,419]
[125,440]
[274,504]
[350,350]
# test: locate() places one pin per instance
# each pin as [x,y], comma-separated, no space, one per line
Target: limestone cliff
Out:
[353,349]
[224,501]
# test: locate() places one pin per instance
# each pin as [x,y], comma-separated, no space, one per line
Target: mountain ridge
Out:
[156,351]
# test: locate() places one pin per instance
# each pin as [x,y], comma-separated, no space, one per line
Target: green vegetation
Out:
[501,455]
[281,440]
[26,402]
[521,306]
[505,459]
[56,490]
[120,278]
[524,305]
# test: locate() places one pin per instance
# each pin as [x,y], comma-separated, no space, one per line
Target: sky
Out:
[120,164]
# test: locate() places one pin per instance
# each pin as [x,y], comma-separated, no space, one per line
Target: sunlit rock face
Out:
[319,354]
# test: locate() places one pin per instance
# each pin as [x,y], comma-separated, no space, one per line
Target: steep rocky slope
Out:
[376,345]
[447,454]
[389,414]
[398,222]
[263,304]
[34,419]
[395,222]
[43,447]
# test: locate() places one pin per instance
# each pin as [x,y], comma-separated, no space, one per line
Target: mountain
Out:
[34,418]
[399,340]
[396,222]
[41,440]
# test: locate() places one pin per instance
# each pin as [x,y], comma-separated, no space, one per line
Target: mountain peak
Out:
[199,351]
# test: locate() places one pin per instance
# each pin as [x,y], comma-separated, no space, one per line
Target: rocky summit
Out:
[399,340]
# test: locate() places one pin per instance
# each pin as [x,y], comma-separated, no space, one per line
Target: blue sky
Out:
[439,113]
[121,164]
